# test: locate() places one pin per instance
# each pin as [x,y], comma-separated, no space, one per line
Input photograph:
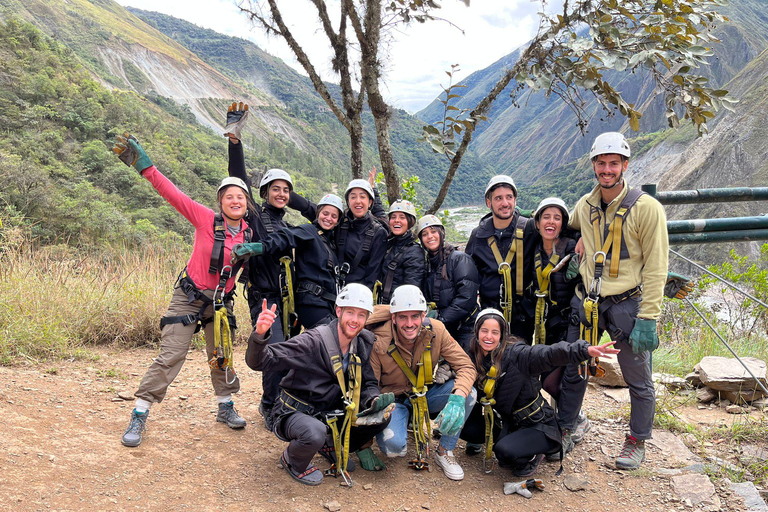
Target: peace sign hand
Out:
[266,318]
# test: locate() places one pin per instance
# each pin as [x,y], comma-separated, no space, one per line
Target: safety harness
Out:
[609,239]
[422,428]
[224,322]
[344,266]
[351,397]
[489,387]
[385,292]
[309,286]
[544,292]
[290,320]
[505,267]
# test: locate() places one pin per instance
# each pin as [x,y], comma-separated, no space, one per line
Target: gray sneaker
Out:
[582,427]
[136,426]
[632,453]
[227,414]
[567,447]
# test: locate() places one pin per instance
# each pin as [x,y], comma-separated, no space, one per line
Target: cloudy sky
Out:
[418,57]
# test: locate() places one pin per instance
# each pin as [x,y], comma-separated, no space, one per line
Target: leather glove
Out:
[379,403]
[237,115]
[245,251]
[523,488]
[643,337]
[443,373]
[451,418]
[572,272]
[678,286]
[131,153]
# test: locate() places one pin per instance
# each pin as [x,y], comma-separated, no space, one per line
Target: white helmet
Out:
[407,298]
[274,175]
[355,295]
[407,207]
[358,183]
[552,201]
[609,143]
[491,313]
[333,200]
[500,179]
[427,221]
[232,181]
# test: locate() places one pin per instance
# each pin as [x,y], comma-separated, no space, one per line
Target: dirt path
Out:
[60,448]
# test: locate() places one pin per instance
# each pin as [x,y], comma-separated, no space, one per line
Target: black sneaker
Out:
[266,412]
[530,468]
[228,414]
[473,449]
[136,426]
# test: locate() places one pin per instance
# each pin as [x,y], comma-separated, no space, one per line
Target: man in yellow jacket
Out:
[623,266]
[407,349]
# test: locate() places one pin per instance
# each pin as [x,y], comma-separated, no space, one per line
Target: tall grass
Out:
[56,301]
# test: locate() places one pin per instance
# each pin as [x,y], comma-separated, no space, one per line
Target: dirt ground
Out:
[60,448]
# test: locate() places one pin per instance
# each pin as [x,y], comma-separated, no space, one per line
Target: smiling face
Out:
[398,223]
[351,321]
[233,202]
[550,223]
[278,193]
[328,217]
[609,169]
[358,202]
[408,324]
[501,201]
[489,335]
[430,238]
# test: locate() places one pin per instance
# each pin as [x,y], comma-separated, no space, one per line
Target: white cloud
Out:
[419,54]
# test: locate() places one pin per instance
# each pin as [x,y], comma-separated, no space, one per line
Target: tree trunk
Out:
[356,147]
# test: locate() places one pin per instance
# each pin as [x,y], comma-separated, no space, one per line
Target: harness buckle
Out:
[541,295]
[504,265]
[597,254]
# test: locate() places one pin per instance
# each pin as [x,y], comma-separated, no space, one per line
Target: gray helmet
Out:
[274,175]
[407,207]
[428,221]
[226,182]
[333,200]
[552,201]
[359,183]
[498,180]
[609,143]
[495,314]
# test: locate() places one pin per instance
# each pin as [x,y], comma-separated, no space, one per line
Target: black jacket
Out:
[405,261]
[315,261]
[561,292]
[310,375]
[518,384]
[451,283]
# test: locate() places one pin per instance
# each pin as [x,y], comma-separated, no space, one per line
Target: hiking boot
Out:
[473,449]
[310,476]
[266,412]
[136,426]
[582,427]
[227,414]
[447,462]
[567,447]
[632,453]
[530,468]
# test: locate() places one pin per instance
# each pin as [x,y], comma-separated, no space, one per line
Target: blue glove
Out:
[643,337]
[131,153]
[451,418]
[245,251]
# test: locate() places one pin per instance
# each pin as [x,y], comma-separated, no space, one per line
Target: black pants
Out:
[307,435]
[311,315]
[516,448]
[474,428]
[270,381]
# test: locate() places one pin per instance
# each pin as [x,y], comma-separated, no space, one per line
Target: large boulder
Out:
[613,376]
[727,374]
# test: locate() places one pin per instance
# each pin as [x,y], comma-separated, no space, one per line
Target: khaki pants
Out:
[174,345]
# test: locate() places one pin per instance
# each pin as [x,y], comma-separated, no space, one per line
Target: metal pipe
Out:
[759,383]
[708,195]
[744,235]
[731,223]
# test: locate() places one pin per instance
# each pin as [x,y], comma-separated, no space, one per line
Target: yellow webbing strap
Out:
[589,333]
[612,242]
[422,427]
[352,404]
[222,343]
[505,269]
[376,291]
[488,402]
[542,277]
[287,293]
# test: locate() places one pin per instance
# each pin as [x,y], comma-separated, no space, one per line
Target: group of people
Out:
[368,324]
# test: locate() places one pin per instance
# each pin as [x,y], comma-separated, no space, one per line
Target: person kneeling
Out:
[329,381]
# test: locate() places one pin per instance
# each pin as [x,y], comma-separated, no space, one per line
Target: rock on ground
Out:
[727,374]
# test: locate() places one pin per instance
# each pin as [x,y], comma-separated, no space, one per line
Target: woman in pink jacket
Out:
[205,286]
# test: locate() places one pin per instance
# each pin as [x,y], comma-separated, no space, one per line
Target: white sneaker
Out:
[449,465]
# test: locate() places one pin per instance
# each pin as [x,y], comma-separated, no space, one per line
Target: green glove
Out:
[451,418]
[131,153]
[572,272]
[678,286]
[369,460]
[643,337]
[378,404]
[236,117]
[245,251]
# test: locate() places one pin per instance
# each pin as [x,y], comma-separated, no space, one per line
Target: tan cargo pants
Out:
[174,345]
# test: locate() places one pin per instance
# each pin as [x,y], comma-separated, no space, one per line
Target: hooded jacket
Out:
[452,282]
[405,259]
